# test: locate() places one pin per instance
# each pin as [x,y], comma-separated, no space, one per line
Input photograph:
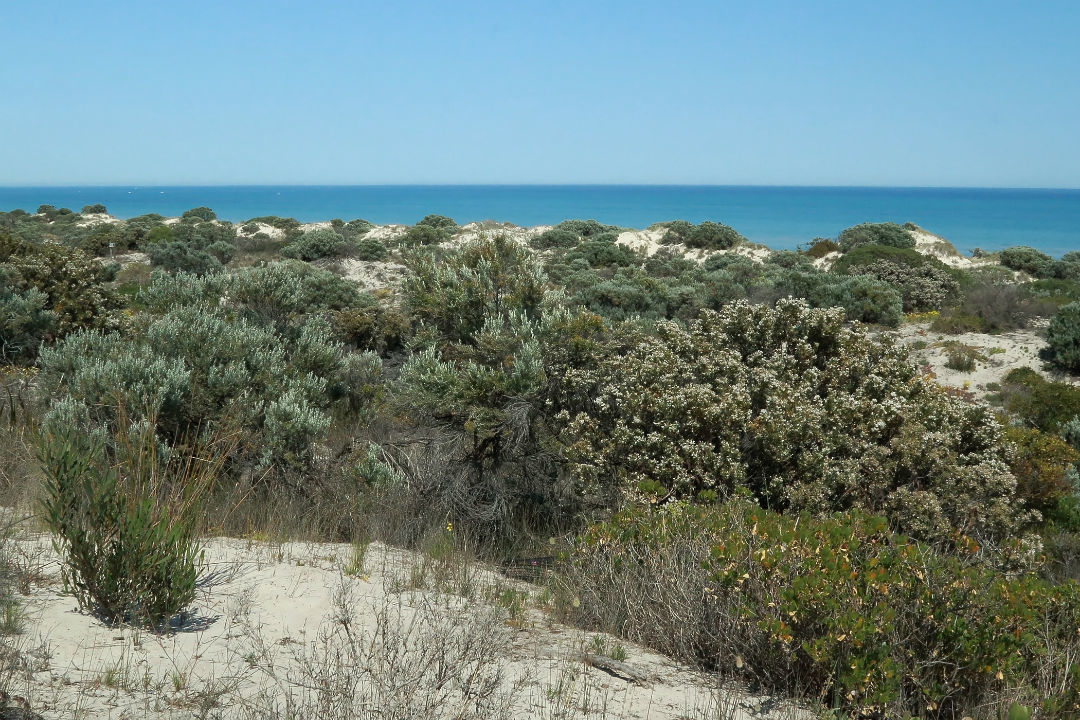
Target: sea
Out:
[779,217]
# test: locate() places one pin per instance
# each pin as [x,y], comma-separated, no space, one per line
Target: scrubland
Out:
[335,470]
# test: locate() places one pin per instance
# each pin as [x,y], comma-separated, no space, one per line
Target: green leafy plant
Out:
[125,521]
[1063,338]
[875,234]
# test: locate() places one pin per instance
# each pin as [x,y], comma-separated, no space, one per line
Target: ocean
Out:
[780,217]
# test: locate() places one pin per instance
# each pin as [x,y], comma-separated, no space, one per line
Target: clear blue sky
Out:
[965,93]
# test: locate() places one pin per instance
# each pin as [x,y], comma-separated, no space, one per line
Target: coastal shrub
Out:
[587,228]
[221,250]
[820,247]
[1038,402]
[285,224]
[25,322]
[1052,292]
[356,228]
[156,235]
[423,235]
[863,298]
[96,208]
[314,244]
[199,213]
[98,241]
[1042,463]
[1029,260]
[670,263]
[174,256]
[441,223]
[487,277]
[199,366]
[555,238]
[886,233]
[707,235]
[200,235]
[922,288]
[75,286]
[600,253]
[628,293]
[371,325]
[790,260]
[1063,338]
[854,260]
[986,309]
[126,524]
[799,410]
[370,249]
[961,357]
[840,607]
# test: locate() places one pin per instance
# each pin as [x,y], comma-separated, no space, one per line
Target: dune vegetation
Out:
[719,452]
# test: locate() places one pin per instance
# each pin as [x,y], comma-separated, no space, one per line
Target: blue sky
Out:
[317,92]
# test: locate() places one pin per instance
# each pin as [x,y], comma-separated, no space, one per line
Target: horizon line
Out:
[544,185]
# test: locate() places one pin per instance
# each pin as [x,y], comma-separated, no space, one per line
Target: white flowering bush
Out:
[922,287]
[801,411]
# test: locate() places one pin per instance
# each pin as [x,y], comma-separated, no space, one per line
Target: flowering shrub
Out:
[803,412]
[923,287]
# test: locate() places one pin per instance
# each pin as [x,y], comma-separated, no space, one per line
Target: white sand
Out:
[266,609]
[1001,354]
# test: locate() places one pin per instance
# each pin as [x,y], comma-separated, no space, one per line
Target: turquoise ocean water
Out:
[780,217]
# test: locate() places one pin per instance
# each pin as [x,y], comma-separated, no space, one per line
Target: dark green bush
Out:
[356,228]
[886,233]
[126,526]
[586,228]
[1029,260]
[555,238]
[314,244]
[1038,402]
[174,256]
[25,322]
[599,253]
[441,223]
[865,255]
[371,249]
[872,623]
[280,223]
[370,325]
[199,213]
[1063,338]
[221,250]
[820,247]
[423,235]
[707,235]
[1041,462]
[93,209]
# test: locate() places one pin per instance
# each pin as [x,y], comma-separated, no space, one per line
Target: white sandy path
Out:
[264,604]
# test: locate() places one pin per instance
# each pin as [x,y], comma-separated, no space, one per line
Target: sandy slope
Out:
[1000,354]
[266,612]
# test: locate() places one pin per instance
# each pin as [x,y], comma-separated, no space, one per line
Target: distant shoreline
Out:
[777,216]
